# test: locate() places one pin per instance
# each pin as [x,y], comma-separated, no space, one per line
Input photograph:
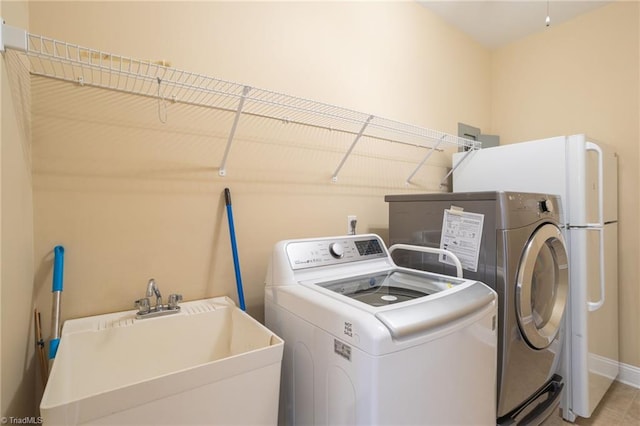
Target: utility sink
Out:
[209,364]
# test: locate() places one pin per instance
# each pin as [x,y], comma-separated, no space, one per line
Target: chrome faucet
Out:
[152,289]
[145,310]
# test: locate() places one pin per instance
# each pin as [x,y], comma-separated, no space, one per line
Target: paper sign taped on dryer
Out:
[462,235]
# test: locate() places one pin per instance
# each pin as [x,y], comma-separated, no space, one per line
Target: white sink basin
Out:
[209,364]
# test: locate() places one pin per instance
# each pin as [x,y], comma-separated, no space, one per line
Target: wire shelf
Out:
[85,66]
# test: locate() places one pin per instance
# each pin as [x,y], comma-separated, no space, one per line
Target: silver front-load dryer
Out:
[523,257]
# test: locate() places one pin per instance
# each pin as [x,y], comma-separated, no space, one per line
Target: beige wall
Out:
[392,59]
[583,77]
[131,198]
[16,233]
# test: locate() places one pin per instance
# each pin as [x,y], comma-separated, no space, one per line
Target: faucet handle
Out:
[143,305]
[173,300]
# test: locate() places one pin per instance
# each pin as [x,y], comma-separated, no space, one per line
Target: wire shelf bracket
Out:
[424,160]
[83,66]
[464,157]
[334,178]
[223,166]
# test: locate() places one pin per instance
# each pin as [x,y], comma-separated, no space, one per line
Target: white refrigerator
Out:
[584,174]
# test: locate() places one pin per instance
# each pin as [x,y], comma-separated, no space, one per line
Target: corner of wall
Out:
[17,391]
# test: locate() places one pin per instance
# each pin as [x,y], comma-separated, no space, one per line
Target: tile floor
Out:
[619,407]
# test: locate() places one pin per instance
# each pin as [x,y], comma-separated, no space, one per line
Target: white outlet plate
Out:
[351,230]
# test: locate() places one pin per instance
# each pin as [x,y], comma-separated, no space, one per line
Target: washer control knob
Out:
[546,206]
[336,250]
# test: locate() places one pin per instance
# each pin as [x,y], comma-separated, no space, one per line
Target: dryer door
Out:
[542,286]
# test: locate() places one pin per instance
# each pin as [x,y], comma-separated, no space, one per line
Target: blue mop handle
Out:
[58,269]
[234,248]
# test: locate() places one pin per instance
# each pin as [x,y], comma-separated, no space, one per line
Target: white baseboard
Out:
[626,373]
[604,367]
[629,375]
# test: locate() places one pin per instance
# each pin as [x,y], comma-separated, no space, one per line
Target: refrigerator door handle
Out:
[599,226]
[590,146]
[594,306]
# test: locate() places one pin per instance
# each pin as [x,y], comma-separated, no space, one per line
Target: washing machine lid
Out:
[393,287]
[389,287]
[436,312]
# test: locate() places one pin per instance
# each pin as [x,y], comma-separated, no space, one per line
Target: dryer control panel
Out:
[324,252]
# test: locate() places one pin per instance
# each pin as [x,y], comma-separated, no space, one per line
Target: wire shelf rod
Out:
[199,84]
[257,115]
[202,86]
[69,62]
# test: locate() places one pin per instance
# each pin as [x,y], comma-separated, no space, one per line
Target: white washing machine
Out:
[371,343]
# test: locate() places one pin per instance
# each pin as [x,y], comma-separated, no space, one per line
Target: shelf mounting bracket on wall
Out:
[334,178]
[424,160]
[223,171]
[12,37]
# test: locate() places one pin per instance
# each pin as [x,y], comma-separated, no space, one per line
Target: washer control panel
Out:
[324,252]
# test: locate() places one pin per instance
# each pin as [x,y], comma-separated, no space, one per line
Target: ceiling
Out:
[497,23]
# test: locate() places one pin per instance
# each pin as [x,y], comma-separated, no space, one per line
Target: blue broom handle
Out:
[234,249]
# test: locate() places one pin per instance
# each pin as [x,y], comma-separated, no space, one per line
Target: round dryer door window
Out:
[542,286]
